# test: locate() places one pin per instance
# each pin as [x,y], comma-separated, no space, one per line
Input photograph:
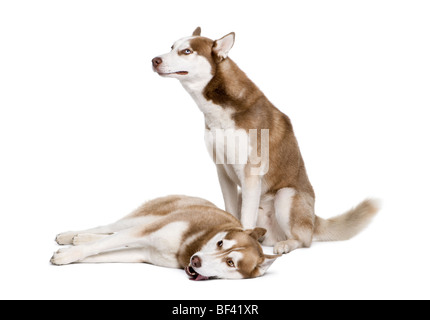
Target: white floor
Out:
[88,132]
[378,264]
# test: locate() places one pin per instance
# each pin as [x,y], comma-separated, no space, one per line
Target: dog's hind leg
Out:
[130,255]
[135,255]
[67,237]
[82,238]
[166,237]
[295,215]
[128,237]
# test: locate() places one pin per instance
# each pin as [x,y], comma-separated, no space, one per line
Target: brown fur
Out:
[165,205]
[231,88]
[203,46]
[347,225]
[197,32]
[249,265]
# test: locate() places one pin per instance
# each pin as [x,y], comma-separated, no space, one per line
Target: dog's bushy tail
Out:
[347,225]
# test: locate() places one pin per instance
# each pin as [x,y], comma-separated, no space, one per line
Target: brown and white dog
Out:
[275,190]
[176,232]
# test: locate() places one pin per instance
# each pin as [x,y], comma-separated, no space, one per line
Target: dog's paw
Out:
[281,247]
[65,238]
[66,256]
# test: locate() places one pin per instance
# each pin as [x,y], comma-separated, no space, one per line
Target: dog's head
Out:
[193,59]
[234,254]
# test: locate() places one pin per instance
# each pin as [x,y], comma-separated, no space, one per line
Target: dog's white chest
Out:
[230,148]
[217,117]
[227,145]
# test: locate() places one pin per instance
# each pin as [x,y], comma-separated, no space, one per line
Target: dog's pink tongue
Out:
[200,277]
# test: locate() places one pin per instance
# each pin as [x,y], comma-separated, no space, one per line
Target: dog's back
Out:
[165,205]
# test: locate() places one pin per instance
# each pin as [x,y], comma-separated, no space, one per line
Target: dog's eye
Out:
[230,263]
[219,244]
[187,51]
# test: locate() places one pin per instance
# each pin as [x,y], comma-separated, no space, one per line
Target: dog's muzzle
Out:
[194,275]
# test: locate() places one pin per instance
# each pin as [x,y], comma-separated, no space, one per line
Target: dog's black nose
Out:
[196,262]
[156,62]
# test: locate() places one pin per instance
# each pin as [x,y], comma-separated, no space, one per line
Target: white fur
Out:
[229,191]
[198,67]
[231,149]
[211,245]
[168,237]
[67,237]
[133,255]
[216,117]
[283,203]
[268,221]
[228,244]
[251,193]
[224,45]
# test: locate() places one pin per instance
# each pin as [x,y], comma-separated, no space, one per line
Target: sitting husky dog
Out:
[276,193]
[176,232]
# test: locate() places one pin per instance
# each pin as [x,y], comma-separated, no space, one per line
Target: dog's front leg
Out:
[229,191]
[251,194]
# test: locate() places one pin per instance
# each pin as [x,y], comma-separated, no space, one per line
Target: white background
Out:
[88,132]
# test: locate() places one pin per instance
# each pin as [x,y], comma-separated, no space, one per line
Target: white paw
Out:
[281,247]
[67,256]
[65,238]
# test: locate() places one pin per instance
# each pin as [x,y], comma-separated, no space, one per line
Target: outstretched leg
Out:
[67,237]
[128,237]
[135,255]
[295,215]
[83,238]
[167,238]
[125,223]
[129,255]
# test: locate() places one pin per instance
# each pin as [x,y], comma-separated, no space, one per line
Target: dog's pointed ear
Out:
[197,32]
[222,46]
[267,262]
[256,233]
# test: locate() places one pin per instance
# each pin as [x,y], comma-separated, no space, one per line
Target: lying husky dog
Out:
[177,232]
[275,190]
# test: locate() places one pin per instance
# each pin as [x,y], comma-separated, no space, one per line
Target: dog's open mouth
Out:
[182,73]
[194,275]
